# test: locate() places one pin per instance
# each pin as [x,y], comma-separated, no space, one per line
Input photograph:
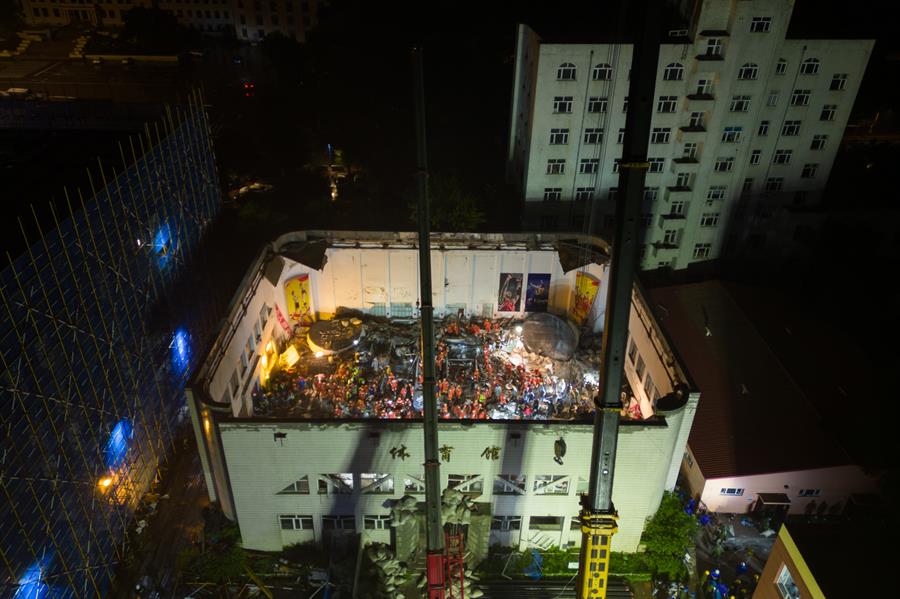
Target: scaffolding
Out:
[97,340]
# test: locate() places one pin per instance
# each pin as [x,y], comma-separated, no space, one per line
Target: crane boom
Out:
[434,531]
[598,514]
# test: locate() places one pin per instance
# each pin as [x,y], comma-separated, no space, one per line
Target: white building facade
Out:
[745,128]
[294,480]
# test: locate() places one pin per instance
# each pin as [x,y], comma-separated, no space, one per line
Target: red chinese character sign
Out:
[586,288]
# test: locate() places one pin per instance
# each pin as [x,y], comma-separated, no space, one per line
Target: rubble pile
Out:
[484,371]
[389,573]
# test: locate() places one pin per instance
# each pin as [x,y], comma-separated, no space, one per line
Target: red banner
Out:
[281,320]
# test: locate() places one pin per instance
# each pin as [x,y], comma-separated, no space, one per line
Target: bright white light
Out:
[356,342]
[139,243]
[519,329]
[319,354]
[590,377]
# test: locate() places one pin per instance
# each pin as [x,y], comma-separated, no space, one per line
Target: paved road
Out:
[548,589]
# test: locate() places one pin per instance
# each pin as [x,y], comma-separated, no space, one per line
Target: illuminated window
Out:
[509,484]
[298,487]
[466,483]
[413,485]
[377,522]
[785,584]
[551,484]
[375,483]
[336,484]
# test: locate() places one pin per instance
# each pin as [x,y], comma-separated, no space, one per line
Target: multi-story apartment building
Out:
[746,125]
[249,19]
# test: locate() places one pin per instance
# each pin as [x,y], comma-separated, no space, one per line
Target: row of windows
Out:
[590,166]
[737,492]
[675,71]
[343,483]
[594,135]
[298,522]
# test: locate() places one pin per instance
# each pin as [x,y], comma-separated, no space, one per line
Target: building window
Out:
[754,157]
[413,485]
[731,491]
[602,72]
[593,136]
[760,24]
[828,112]
[809,171]
[547,523]
[656,164]
[714,47]
[709,219]
[838,82]
[781,67]
[551,484]
[684,180]
[611,194]
[298,487]
[782,157]
[377,522]
[616,163]
[740,103]
[689,150]
[818,142]
[748,71]
[724,165]
[666,104]
[584,194]
[810,66]
[748,184]
[336,484]
[696,120]
[509,484]
[790,128]
[506,523]
[688,459]
[716,192]
[702,250]
[597,104]
[732,135]
[632,351]
[800,97]
[763,128]
[565,72]
[376,483]
[785,584]
[677,207]
[660,135]
[625,104]
[559,136]
[673,72]
[552,194]
[466,483]
[704,87]
[772,99]
[646,219]
[650,194]
[234,383]
[562,104]
[774,183]
[620,137]
[338,523]
[589,166]
[291,522]
[810,492]
[556,166]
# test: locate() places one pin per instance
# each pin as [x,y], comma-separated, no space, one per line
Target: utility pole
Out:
[598,514]
[434,530]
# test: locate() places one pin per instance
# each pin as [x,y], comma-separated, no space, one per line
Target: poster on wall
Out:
[296,295]
[509,298]
[586,288]
[537,295]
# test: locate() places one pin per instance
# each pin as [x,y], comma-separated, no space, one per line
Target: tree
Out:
[452,209]
[669,533]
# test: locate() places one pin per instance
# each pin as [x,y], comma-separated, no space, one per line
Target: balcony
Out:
[686,160]
[701,97]
[674,216]
[678,188]
[710,57]
[692,129]
[664,245]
